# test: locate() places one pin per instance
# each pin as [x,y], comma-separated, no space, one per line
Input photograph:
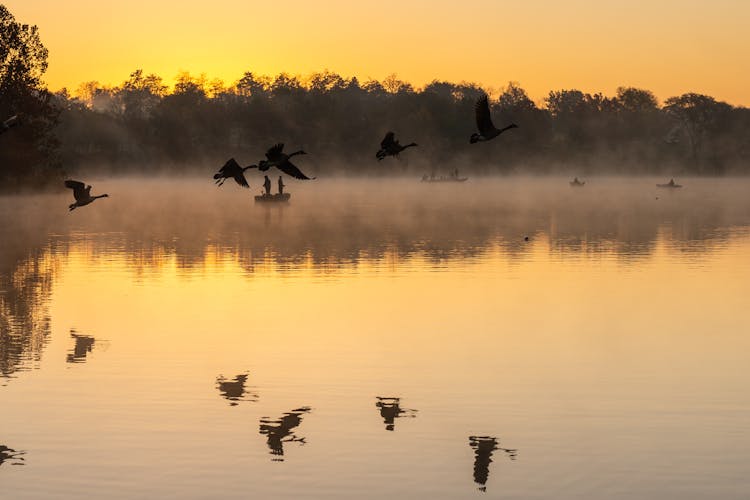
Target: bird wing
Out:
[79,188]
[289,169]
[239,177]
[387,141]
[230,166]
[274,151]
[482,111]
[10,122]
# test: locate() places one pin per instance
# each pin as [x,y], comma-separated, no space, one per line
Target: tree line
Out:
[144,125]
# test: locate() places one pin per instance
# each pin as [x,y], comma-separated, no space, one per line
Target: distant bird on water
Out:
[82,194]
[232,170]
[277,158]
[389,146]
[487,129]
[9,123]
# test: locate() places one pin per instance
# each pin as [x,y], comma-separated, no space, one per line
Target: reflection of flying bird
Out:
[487,129]
[84,345]
[279,431]
[390,410]
[277,158]
[389,146]
[483,447]
[82,194]
[234,390]
[11,455]
[9,123]
[232,170]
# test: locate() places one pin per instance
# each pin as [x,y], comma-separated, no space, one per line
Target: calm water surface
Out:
[377,339]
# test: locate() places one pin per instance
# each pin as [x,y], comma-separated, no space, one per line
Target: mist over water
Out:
[504,337]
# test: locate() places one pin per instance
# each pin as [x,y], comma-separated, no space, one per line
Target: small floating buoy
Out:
[525,238]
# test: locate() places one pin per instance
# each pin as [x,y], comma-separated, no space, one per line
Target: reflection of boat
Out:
[445,179]
[278,197]
[672,185]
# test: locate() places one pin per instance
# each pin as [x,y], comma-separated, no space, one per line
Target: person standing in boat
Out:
[281,185]
[267,186]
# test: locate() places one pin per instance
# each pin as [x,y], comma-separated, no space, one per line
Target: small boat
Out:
[445,179]
[577,183]
[672,185]
[273,198]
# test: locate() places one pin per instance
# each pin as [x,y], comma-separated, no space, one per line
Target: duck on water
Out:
[576,183]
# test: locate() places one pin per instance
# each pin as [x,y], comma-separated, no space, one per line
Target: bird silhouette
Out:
[11,122]
[389,146]
[232,170]
[277,158]
[82,194]
[487,129]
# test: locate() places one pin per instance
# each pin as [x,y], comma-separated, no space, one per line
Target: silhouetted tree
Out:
[28,156]
[340,121]
[703,120]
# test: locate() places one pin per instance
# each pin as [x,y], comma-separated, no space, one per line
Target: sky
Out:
[669,47]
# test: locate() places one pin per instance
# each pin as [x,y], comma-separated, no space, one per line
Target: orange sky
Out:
[669,47]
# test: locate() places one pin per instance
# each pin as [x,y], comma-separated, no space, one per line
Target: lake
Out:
[500,338]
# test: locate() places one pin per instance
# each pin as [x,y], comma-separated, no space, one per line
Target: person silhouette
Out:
[267,186]
[281,185]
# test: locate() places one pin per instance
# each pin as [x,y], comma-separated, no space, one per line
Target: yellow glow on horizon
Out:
[669,47]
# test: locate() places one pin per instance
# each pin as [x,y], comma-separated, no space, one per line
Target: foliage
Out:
[28,155]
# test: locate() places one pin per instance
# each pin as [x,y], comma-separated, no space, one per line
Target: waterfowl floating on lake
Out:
[577,183]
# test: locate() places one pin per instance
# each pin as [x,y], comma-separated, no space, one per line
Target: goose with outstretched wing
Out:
[82,194]
[487,129]
[389,146]
[11,122]
[232,170]
[277,158]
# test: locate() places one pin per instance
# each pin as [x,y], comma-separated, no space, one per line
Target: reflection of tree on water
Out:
[25,289]
[279,431]
[390,410]
[234,390]
[83,345]
[11,456]
[483,447]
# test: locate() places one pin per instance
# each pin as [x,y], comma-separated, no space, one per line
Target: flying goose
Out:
[389,146]
[277,158]
[232,170]
[82,194]
[486,128]
[13,121]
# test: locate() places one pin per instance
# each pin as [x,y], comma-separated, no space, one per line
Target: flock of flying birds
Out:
[275,156]
[389,146]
